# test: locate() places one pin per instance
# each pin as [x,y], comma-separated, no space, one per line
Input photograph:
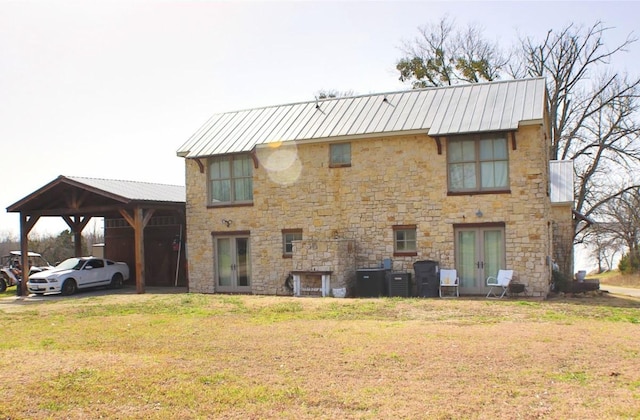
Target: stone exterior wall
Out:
[563,238]
[399,180]
[336,255]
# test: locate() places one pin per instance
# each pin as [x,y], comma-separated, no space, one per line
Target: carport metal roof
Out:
[67,195]
[77,200]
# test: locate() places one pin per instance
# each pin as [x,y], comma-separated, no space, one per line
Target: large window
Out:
[340,154]
[230,179]
[288,236]
[404,240]
[478,163]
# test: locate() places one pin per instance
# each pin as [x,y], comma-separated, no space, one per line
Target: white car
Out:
[79,273]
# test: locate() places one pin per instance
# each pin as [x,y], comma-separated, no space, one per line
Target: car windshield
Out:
[71,264]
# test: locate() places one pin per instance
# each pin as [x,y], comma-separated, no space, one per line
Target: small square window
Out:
[340,155]
[404,240]
[288,236]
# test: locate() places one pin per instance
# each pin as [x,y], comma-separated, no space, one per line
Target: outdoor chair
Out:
[449,279]
[500,282]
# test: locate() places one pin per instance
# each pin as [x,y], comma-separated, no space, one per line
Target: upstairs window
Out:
[230,179]
[478,163]
[340,155]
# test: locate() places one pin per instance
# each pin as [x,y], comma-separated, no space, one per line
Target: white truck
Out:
[79,273]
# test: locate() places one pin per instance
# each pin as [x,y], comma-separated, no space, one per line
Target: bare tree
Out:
[333,93]
[593,112]
[622,223]
[603,246]
[441,55]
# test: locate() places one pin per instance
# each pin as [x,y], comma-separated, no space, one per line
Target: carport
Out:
[130,208]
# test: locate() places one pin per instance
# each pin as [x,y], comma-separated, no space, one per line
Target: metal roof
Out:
[561,180]
[104,192]
[479,107]
[134,190]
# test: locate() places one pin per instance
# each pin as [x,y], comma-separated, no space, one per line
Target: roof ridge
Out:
[79,178]
[392,92]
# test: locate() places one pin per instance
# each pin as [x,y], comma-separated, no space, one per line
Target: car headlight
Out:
[52,279]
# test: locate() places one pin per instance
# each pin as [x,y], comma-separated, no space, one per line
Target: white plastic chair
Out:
[501,281]
[448,279]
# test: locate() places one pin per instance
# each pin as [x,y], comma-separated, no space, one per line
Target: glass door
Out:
[233,264]
[479,254]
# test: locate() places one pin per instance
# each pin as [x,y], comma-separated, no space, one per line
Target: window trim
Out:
[397,253]
[333,164]
[229,158]
[477,138]
[285,232]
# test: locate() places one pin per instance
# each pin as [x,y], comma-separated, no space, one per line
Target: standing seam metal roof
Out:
[480,107]
[137,191]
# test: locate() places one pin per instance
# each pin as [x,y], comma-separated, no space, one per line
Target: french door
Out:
[479,254]
[233,264]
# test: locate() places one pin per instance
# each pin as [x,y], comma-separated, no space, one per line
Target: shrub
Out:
[629,263]
[560,281]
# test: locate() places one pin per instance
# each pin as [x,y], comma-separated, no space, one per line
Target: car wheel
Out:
[116,281]
[3,285]
[69,287]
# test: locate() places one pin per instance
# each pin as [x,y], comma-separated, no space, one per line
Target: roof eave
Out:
[537,121]
[17,207]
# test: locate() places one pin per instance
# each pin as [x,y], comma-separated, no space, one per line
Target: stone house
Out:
[460,175]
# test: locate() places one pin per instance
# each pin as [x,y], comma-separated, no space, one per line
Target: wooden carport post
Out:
[138,222]
[26,224]
[77,225]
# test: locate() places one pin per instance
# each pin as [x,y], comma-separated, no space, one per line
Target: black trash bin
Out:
[427,282]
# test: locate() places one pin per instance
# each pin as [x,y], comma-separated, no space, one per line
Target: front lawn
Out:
[159,356]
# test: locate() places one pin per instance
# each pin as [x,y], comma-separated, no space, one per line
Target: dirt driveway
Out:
[616,290]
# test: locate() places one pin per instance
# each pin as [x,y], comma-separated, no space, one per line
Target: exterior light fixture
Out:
[479,213]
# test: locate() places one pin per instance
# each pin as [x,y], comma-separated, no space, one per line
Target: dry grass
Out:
[158,356]
[614,278]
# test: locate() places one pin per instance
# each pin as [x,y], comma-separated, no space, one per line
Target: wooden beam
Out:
[138,234]
[254,157]
[200,164]
[439,144]
[78,222]
[75,201]
[127,217]
[138,222]
[99,211]
[513,140]
[30,221]
[77,225]
[147,216]
[26,224]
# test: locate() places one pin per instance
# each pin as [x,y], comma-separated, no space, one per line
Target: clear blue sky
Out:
[112,89]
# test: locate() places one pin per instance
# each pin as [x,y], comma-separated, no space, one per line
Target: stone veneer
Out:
[336,255]
[399,180]
[563,238]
